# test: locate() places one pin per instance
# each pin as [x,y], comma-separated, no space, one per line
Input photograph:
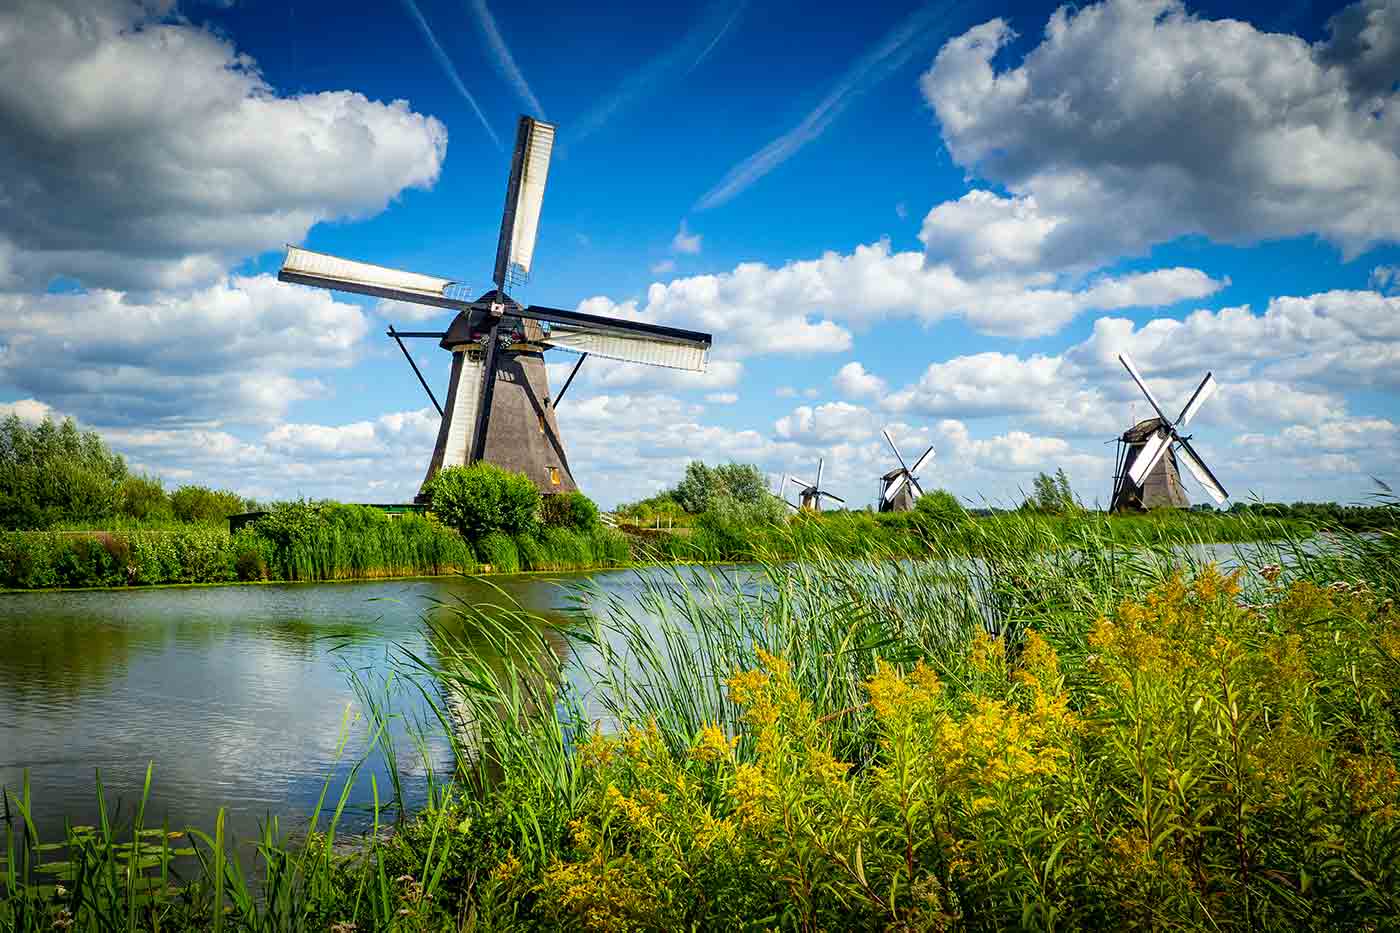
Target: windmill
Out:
[499,407]
[899,488]
[810,495]
[781,494]
[1147,476]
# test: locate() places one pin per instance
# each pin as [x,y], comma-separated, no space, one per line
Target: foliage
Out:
[143,499]
[940,505]
[201,504]
[482,499]
[54,473]
[572,510]
[499,551]
[703,485]
[1052,495]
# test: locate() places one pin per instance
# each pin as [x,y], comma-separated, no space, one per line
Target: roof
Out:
[1142,430]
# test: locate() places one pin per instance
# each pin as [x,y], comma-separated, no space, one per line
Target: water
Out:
[238,694]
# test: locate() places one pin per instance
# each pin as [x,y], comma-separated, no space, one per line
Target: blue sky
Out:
[942,218]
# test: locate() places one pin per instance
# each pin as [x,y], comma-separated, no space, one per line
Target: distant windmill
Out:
[1147,476]
[498,404]
[899,488]
[781,494]
[810,495]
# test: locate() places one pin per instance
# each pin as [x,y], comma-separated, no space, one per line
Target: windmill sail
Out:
[515,252]
[321,270]
[629,348]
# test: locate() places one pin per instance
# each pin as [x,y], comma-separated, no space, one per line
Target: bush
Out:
[143,498]
[940,505]
[703,485]
[202,504]
[571,510]
[482,499]
[500,552]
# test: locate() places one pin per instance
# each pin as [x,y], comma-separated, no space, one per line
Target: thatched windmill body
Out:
[899,488]
[499,406]
[1147,474]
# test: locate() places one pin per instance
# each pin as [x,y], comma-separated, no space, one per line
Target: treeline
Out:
[54,476]
[1329,515]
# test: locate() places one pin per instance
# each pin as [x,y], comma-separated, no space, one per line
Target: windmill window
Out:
[554,476]
[541,424]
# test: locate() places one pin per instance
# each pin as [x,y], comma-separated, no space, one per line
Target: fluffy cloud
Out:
[1134,122]
[231,351]
[804,306]
[852,379]
[834,421]
[143,152]
[1333,339]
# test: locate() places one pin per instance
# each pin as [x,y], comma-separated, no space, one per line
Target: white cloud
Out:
[30,409]
[803,306]
[852,379]
[1134,123]
[722,398]
[785,392]
[228,351]
[834,421]
[146,152]
[663,267]
[686,242]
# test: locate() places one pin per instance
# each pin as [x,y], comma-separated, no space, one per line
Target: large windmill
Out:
[1147,476]
[899,488]
[810,495]
[498,404]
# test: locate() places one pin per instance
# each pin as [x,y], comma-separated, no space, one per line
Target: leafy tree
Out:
[202,504]
[940,504]
[143,498]
[482,498]
[1052,495]
[702,485]
[571,510]
[54,473]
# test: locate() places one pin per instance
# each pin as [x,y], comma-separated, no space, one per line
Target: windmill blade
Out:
[894,487]
[1127,362]
[1187,454]
[803,483]
[914,483]
[820,461]
[919,464]
[321,270]
[833,497]
[1147,457]
[529,168]
[1203,391]
[889,441]
[628,341]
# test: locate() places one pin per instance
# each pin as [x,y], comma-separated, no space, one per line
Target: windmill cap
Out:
[1143,430]
[468,324]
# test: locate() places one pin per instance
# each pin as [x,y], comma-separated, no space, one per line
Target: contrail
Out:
[451,70]
[646,81]
[504,60]
[883,59]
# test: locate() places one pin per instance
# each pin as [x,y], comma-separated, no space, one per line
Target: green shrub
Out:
[50,474]
[202,504]
[571,510]
[499,551]
[143,498]
[481,499]
[566,549]
[531,553]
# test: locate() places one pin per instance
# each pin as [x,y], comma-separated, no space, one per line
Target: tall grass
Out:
[1037,726]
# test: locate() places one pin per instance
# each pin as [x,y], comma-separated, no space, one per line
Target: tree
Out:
[143,498]
[741,482]
[482,498]
[211,506]
[571,510]
[1052,495]
[55,473]
[940,504]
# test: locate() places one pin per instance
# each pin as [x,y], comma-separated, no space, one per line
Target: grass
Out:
[1045,725]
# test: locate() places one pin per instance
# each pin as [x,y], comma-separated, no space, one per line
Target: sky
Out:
[942,219]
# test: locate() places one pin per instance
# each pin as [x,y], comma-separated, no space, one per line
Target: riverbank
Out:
[1078,736]
[360,544]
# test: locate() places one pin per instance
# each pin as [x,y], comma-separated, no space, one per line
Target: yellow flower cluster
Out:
[712,744]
